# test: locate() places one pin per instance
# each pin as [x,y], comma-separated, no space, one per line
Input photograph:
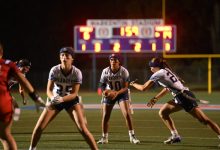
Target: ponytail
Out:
[165,65]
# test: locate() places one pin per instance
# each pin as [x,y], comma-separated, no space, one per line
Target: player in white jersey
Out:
[183,98]
[115,78]
[62,90]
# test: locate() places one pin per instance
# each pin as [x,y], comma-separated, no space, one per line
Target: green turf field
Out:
[138,97]
[143,97]
[62,132]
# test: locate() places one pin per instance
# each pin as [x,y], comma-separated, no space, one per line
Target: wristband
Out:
[154,98]
[33,95]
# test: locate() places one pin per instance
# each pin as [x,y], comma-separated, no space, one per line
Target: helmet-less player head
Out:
[115,56]
[24,65]
[115,61]
[156,63]
[66,55]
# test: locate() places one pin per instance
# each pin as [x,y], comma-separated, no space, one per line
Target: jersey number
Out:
[60,90]
[115,85]
[171,76]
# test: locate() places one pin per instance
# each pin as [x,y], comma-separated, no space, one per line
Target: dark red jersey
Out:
[7,70]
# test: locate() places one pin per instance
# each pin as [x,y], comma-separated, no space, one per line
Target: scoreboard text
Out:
[125,39]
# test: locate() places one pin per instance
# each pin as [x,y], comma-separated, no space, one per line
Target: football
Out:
[109,94]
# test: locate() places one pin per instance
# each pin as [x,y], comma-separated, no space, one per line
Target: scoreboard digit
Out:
[125,39]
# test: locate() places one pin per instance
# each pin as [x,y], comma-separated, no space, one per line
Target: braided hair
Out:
[161,63]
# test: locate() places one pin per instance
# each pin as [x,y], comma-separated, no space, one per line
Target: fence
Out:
[194,72]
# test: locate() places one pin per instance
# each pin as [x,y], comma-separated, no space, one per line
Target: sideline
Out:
[156,106]
[135,106]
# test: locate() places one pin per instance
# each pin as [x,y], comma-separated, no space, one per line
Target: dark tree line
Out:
[38,29]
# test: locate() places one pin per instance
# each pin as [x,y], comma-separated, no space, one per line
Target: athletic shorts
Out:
[67,105]
[186,103]
[6,109]
[119,98]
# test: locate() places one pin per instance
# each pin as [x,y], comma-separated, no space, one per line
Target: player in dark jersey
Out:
[24,66]
[115,78]
[62,90]
[8,70]
[183,98]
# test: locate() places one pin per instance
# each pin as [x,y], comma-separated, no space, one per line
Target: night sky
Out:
[38,29]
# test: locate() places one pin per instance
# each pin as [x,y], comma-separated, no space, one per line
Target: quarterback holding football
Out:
[114,84]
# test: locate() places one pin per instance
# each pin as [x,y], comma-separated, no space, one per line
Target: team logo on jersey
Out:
[114,77]
[64,80]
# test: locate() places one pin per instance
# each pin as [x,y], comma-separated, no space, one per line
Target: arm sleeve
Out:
[126,76]
[79,76]
[51,74]
[103,77]
[156,76]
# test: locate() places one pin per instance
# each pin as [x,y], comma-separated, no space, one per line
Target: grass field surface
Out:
[62,132]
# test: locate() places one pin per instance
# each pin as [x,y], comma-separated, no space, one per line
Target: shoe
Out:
[173,139]
[134,140]
[103,140]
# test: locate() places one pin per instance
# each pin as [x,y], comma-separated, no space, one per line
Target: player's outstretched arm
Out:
[29,88]
[147,85]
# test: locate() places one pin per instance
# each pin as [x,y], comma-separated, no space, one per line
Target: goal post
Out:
[193,56]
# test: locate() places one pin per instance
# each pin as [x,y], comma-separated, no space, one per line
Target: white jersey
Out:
[63,83]
[168,79]
[115,81]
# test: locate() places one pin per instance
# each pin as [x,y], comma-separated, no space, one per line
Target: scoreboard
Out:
[125,38]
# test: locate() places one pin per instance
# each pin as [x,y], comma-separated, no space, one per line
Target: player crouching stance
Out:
[183,98]
[62,91]
[116,78]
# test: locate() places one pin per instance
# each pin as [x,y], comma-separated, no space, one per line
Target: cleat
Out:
[134,140]
[103,140]
[173,139]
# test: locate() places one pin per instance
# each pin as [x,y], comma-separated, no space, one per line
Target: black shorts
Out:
[119,98]
[186,103]
[67,105]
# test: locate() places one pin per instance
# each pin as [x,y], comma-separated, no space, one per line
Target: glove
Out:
[56,100]
[152,102]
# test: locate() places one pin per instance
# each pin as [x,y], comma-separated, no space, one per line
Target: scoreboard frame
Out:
[125,38]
